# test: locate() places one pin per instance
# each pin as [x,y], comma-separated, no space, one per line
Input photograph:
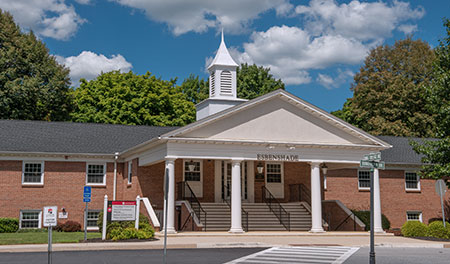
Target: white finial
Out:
[222,36]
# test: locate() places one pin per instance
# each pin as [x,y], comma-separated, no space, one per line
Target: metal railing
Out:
[185,193]
[226,197]
[276,207]
[346,221]
[299,193]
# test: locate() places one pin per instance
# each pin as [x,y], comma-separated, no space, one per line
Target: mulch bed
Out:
[99,240]
[432,239]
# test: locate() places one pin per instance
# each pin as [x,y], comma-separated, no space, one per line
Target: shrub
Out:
[364,216]
[125,229]
[437,229]
[124,224]
[69,226]
[414,229]
[9,225]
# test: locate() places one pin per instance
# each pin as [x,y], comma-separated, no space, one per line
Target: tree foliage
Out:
[127,98]
[33,85]
[437,152]
[252,81]
[388,91]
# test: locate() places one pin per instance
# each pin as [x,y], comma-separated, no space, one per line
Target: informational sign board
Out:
[121,210]
[63,215]
[441,187]
[50,213]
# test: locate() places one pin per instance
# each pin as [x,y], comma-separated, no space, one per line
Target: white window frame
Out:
[359,187]
[414,212]
[42,172]
[130,172]
[281,171]
[104,174]
[92,227]
[31,211]
[418,181]
[201,169]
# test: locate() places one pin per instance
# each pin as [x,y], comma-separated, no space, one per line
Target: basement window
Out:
[30,219]
[414,216]
[92,218]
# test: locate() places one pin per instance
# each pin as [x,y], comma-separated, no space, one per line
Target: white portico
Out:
[286,138]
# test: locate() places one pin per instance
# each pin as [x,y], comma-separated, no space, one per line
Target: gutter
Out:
[116,156]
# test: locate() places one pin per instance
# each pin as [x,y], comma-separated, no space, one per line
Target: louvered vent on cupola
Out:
[226,83]
[212,80]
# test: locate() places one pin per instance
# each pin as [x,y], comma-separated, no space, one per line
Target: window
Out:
[33,173]
[30,219]
[92,217]
[412,181]
[363,180]
[95,174]
[414,216]
[192,170]
[273,171]
[130,171]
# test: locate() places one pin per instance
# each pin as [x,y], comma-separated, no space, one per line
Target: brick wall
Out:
[395,201]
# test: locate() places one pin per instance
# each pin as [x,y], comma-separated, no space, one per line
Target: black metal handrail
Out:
[185,193]
[244,213]
[300,193]
[345,221]
[276,207]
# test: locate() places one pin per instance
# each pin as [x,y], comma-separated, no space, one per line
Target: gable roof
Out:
[325,116]
[401,152]
[74,138]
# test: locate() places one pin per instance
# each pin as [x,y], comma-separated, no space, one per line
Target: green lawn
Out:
[41,238]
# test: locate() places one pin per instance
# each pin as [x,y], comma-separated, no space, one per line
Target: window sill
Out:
[129,185]
[413,190]
[364,189]
[96,185]
[37,185]
[92,229]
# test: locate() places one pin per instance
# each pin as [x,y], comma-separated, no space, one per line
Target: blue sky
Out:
[314,46]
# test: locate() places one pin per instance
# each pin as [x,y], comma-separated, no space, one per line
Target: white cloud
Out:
[48,18]
[329,82]
[407,28]
[83,2]
[360,20]
[198,15]
[89,65]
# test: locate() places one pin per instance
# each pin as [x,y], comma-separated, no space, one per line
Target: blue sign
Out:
[86,195]
[87,189]
[86,199]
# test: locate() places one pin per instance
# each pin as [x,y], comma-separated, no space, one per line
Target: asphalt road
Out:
[402,255]
[218,255]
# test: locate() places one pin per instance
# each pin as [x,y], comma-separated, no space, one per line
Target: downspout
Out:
[115,175]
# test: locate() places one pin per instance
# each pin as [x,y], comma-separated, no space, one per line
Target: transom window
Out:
[363,179]
[33,172]
[130,171]
[30,219]
[192,170]
[412,181]
[414,216]
[95,174]
[92,218]
[273,172]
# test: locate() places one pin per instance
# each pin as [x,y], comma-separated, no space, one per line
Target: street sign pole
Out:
[441,188]
[87,192]
[166,202]
[50,220]
[85,222]
[50,244]
[372,235]
[442,207]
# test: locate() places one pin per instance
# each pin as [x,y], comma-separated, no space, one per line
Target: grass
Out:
[41,237]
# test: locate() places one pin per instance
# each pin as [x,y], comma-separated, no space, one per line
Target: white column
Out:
[316,199]
[105,216]
[236,213]
[378,228]
[170,167]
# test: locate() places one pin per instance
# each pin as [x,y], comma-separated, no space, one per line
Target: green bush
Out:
[364,216]
[414,229]
[9,225]
[437,229]
[125,229]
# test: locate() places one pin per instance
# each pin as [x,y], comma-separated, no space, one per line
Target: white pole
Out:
[105,212]
[115,175]
[316,199]
[236,206]
[170,209]
[138,205]
[378,228]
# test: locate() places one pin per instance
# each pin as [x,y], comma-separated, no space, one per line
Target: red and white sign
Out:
[123,210]
[50,215]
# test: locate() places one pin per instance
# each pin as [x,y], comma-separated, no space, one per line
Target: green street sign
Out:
[380,165]
[373,156]
[365,164]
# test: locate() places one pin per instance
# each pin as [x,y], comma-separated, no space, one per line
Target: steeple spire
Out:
[223,57]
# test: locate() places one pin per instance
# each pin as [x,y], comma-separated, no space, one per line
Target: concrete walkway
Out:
[249,239]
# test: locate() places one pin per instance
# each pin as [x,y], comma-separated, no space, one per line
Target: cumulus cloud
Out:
[89,65]
[333,35]
[198,15]
[48,18]
[329,82]
[83,2]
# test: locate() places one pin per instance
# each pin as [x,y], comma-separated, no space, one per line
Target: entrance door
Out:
[226,180]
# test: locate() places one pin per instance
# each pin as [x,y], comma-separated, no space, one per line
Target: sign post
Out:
[50,221]
[87,191]
[372,161]
[441,188]
[166,204]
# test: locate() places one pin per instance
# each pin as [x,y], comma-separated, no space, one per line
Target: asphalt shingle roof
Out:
[401,151]
[67,137]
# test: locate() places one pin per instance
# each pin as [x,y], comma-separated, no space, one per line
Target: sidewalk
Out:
[250,239]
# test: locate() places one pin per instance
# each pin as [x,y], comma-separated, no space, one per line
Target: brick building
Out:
[272,163]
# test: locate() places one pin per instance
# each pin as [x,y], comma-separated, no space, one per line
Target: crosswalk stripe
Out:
[276,255]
